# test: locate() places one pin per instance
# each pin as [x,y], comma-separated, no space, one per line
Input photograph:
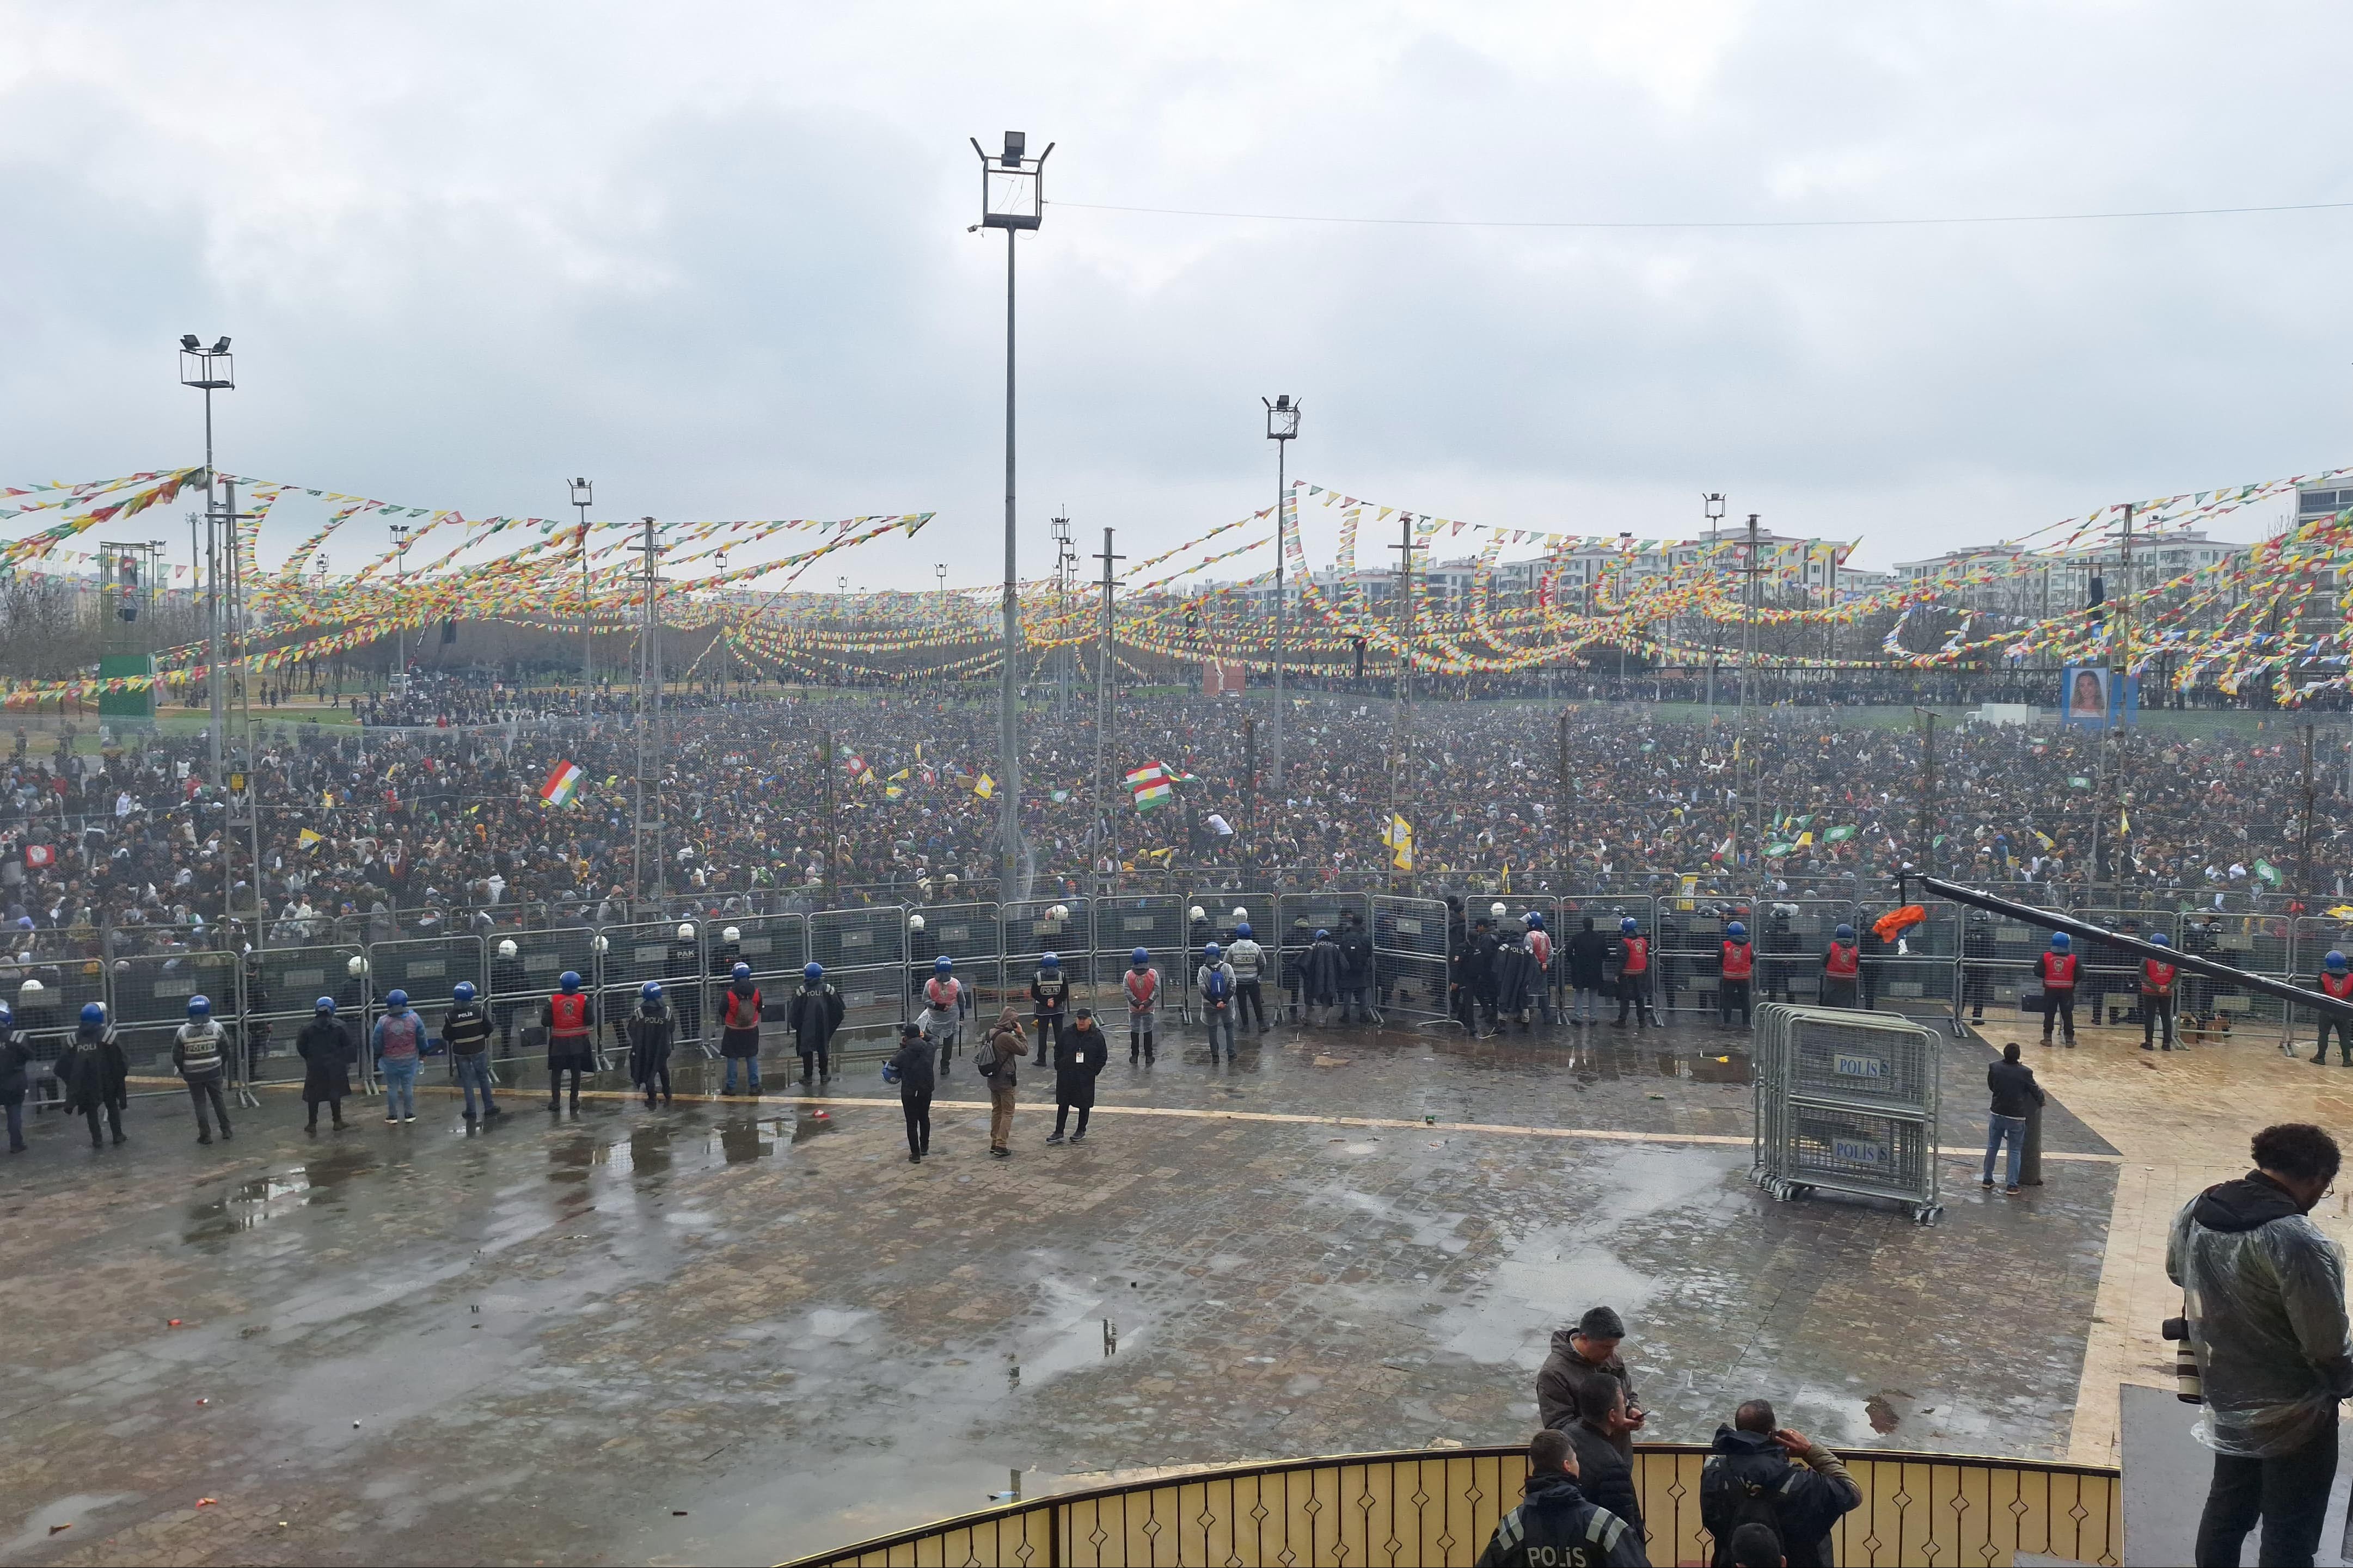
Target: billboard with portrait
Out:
[2096,697]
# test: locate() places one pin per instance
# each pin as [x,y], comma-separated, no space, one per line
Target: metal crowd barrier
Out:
[1846,1102]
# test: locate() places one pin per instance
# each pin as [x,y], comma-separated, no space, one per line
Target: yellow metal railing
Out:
[1439,1507]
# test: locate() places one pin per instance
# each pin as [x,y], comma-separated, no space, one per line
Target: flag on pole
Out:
[984,787]
[306,837]
[1150,784]
[1399,836]
[561,785]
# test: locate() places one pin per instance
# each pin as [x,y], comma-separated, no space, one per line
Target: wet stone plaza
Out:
[733,1330]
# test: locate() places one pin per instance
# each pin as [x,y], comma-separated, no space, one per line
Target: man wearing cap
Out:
[1080,1055]
[198,1051]
[911,1069]
[2056,969]
[1590,1347]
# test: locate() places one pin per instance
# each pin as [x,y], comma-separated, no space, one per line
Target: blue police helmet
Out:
[464,991]
[741,972]
[1533,920]
[1210,951]
[1322,935]
[2336,961]
[1051,961]
[2160,939]
[2059,942]
[1737,931]
[650,991]
[325,1004]
[92,1013]
[8,1014]
[569,980]
[1844,933]
[200,1006]
[1627,926]
[943,964]
[812,971]
[1139,958]
[395,1000]
[1242,930]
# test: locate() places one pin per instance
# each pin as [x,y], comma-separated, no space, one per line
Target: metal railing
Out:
[1439,1508]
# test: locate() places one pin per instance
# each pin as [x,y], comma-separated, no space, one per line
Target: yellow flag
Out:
[984,787]
[1805,838]
[306,837]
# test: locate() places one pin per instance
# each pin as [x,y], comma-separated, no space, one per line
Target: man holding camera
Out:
[2263,1297]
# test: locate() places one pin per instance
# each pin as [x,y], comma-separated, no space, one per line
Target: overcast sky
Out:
[715,257]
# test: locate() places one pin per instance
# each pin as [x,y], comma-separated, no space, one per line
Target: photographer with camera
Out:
[2264,1293]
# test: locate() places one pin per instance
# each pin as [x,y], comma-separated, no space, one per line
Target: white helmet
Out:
[1058,912]
[507,949]
[685,932]
[1498,910]
[1198,913]
[599,945]
[355,966]
[1241,913]
[914,922]
[732,933]
[30,988]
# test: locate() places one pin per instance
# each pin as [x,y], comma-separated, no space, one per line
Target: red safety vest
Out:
[1739,960]
[942,994]
[2338,985]
[2059,971]
[570,1014]
[743,1011]
[2156,979]
[1638,954]
[1540,948]
[1142,987]
[1844,962]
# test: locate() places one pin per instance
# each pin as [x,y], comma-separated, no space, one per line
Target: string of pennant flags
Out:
[2240,621]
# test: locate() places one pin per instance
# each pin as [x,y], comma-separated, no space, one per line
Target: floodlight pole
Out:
[1107,840]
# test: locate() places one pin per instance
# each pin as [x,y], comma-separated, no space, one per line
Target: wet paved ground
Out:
[729,1332]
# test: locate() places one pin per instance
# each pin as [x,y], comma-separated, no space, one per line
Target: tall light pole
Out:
[584,495]
[211,370]
[1281,428]
[649,713]
[1625,563]
[940,571]
[1012,198]
[1713,504]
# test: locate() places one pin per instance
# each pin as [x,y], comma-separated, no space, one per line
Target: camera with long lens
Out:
[2186,1387]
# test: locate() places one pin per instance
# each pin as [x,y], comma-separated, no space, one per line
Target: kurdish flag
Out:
[561,785]
[1151,786]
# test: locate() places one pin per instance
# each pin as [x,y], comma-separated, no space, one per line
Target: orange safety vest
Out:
[2059,971]
[942,994]
[2156,979]
[1845,960]
[2338,985]
[1142,989]
[743,1011]
[1638,954]
[1739,960]
[570,1014]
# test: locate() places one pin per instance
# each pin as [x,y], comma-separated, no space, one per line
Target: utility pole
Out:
[2304,846]
[825,764]
[1401,730]
[1249,785]
[1713,505]
[1281,428]
[1107,836]
[1560,826]
[649,711]
[584,495]
[1741,749]
[1927,831]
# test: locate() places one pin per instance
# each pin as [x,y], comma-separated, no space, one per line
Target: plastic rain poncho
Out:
[2264,1293]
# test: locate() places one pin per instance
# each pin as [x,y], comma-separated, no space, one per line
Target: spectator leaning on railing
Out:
[2263,1291]
[1748,1481]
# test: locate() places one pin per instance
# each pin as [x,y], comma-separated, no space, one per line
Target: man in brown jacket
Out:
[1008,1042]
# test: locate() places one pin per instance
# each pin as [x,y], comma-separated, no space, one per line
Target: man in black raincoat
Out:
[1321,969]
[1080,1055]
[96,1073]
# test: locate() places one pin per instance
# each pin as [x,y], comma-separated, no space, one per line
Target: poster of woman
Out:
[2086,696]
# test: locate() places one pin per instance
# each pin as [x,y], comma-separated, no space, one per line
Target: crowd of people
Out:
[369,831]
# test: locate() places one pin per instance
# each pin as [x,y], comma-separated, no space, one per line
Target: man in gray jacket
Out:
[2263,1290]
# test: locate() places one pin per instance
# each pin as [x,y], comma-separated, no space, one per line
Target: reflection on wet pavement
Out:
[542,1337]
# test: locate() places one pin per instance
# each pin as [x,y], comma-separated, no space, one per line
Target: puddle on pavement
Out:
[252,1204]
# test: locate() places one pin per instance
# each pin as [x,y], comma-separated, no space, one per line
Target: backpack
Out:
[1751,1504]
[984,1060]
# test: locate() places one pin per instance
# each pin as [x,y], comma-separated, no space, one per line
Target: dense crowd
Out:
[364,831]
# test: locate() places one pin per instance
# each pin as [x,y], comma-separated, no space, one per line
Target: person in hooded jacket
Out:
[652,1033]
[1555,1525]
[1006,1043]
[327,1051]
[1356,969]
[739,1025]
[2263,1296]
[1590,1347]
[911,1069]
[16,1061]
[1589,972]
[1748,1479]
[813,1015]
[96,1073]
[1519,980]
